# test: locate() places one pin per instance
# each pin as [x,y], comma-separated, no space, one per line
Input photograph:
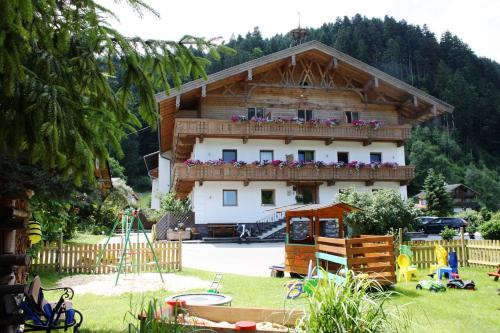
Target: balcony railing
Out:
[249,129]
[188,129]
[185,176]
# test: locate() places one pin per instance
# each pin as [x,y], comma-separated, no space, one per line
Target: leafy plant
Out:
[357,306]
[491,228]
[448,234]
[381,211]
[474,220]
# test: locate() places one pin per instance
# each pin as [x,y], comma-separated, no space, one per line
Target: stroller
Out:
[244,233]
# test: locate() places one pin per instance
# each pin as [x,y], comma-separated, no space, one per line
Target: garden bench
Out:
[495,274]
[222,228]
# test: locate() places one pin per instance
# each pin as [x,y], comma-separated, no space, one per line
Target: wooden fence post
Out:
[59,253]
[179,251]
[462,244]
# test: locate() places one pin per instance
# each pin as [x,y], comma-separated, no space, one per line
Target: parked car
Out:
[435,226]
[422,220]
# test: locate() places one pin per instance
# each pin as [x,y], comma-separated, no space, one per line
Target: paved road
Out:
[247,259]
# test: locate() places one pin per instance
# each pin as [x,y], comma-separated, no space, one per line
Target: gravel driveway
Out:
[246,259]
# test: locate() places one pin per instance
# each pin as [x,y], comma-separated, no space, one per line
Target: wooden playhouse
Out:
[325,244]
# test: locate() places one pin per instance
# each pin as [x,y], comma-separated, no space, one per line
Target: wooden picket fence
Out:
[470,252]
[82,258]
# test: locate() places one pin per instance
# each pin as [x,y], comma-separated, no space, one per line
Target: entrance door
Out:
[307,194]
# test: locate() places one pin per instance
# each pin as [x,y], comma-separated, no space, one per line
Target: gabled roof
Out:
[441,106]
[449,188]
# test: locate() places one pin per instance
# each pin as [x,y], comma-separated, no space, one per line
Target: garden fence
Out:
[470,252]
[83,258]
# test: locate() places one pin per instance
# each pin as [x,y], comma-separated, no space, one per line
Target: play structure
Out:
[129,253]
[369,255]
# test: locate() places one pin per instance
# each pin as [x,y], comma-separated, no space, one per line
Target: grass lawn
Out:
[83,238]
[453,310]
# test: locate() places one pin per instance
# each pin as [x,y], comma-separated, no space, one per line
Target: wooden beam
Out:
[367,142]
[245,139]
[246,182]
[329,141]
[177,102]
[330,182]
[400,143]
[200,182]
[201,138]
[335,62]
[249,75]
[203,91]
[371,84]
[288,140]
[433,109]
[369,182]
[294,60]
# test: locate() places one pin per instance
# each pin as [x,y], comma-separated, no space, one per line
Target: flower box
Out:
[174,235]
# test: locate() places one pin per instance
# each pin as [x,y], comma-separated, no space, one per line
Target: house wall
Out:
[211,149]
[207,202]
[161,185]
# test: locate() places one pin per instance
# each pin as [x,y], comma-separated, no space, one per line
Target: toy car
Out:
[431,285]
[459,284]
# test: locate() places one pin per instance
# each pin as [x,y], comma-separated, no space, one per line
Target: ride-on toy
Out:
[460,284]
[431,285]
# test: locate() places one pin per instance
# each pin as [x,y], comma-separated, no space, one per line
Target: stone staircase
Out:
[271,227]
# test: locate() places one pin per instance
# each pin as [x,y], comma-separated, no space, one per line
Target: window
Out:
[255,112]
[266,155]
[351,116]
[306,115]
[229,155]
[343,157]
[267,197]
[229,197]
[375,157]
[306,155]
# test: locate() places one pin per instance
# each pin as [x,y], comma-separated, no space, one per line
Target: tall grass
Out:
[354,307]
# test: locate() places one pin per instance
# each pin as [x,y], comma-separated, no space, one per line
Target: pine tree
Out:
[68,81]
[438,200]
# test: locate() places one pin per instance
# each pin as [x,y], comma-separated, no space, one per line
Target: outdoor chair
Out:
[441,257]
[47,317]
[405,269]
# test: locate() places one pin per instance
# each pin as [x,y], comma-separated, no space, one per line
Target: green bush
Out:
[448,234]
[474,220]
[356,306]
[381,212]
[491,229]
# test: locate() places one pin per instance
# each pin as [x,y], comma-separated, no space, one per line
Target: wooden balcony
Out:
[187,130]
[185,177]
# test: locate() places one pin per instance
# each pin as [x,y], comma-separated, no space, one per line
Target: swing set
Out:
[129,218]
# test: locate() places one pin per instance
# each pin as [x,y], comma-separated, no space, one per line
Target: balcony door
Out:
[307,194]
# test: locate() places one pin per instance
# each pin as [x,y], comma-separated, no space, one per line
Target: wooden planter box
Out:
[174,235]
[231,315]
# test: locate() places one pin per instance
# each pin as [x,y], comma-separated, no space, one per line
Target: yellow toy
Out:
[405,269]
[442,258]
[34,232]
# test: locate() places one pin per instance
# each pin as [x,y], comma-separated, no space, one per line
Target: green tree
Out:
[381,212]
[63,104]
[438,199]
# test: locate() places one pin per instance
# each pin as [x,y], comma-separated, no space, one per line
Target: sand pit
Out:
[105,284]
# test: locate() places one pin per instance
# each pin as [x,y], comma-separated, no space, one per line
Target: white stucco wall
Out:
[161,185]
[211,149]
[207,198]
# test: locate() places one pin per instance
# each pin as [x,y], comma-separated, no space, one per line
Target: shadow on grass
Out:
[86,330]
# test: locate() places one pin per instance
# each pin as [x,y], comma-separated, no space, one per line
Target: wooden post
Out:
[59,253]
[462,243]
[179,252]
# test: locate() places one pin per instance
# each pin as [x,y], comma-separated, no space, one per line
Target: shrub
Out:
[380,212]
[491,229]
[448,234]
[352,307]
[474,220]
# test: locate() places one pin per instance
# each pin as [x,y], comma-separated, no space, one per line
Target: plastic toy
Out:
[431,285]
[214,286]
[405,269]
[460,284]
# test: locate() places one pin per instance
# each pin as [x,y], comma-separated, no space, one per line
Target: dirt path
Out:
[105,284]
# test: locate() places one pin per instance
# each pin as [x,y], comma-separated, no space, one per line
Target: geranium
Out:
[215,162]
[375,165]
[191,162]
[296,164]
[356,165]
[375,124]
[276,163]
[359,123]
[239,164]
[337,165]
[331,122]
[314,122]
[393,165]
[236,118]
[318,164]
